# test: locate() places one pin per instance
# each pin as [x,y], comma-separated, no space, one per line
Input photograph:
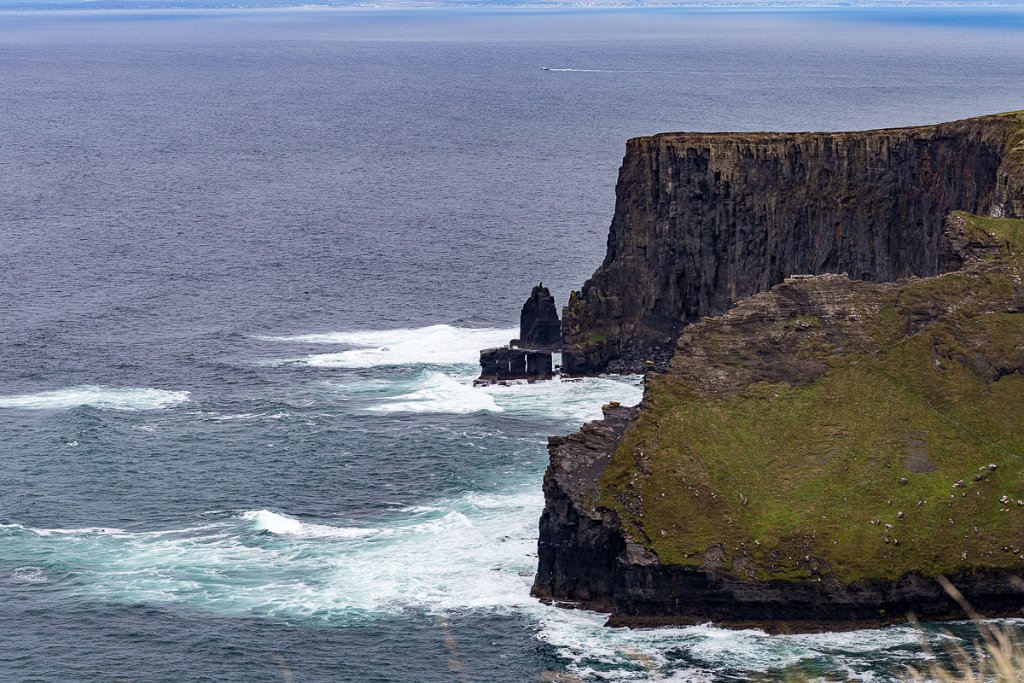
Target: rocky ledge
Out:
[504,363]
[820,453]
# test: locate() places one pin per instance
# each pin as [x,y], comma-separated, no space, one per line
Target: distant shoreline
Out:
[184,5]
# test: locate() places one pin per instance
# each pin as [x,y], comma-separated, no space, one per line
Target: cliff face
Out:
[813,459]
[705,219]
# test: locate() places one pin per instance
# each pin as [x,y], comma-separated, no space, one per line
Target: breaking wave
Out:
[452,392]
[433,345]
[282,525]
[441,393]
[454,555]
[475,552]
[107,398]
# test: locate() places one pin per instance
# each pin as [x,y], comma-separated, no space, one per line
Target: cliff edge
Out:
[705,219]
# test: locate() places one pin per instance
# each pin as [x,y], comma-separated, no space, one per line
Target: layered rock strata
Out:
[705,219]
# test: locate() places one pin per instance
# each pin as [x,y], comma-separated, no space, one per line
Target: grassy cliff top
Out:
[928,128]
[833,426]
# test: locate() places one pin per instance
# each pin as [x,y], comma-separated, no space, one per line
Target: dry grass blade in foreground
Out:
[999,656]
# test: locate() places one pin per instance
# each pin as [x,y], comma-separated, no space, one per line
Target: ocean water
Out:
[247,259]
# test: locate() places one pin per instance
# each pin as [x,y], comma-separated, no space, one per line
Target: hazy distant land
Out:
[527,4]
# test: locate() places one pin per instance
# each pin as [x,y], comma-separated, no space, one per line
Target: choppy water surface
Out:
[248,259]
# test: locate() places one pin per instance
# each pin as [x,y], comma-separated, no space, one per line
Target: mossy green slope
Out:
[1006,233]
[875,435]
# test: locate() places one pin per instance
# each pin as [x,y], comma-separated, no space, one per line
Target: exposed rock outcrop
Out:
[539,326]
[508,363]
[705,219]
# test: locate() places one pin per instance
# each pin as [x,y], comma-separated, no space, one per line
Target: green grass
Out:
[788,480]
[1006,231]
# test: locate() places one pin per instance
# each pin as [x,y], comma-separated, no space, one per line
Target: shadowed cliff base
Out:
[817,456]
[705,219]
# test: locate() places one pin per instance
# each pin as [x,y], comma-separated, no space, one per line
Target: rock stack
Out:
[539,326]
[529,357]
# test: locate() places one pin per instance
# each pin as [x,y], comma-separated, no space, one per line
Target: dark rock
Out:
[538,365]
[705,219]
[579,547]
[539,326]
[506,363]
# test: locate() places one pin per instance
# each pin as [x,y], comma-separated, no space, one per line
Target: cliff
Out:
[814,455]
[812,459]
[705,219]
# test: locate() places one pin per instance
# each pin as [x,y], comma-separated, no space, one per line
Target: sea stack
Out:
[539,326]
[529,357]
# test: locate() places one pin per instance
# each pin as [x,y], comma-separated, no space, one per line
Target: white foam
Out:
[452,392]
[453,555]
[25,575]
[283,525]
[527,500]
[416,509]
[476,552]
[108,398]
[433,345]
[861,641]
[73,532]
[441,393]
[219,417]
[574,401]
[582,640]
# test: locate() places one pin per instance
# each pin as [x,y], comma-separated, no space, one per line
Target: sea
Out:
[247,261]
